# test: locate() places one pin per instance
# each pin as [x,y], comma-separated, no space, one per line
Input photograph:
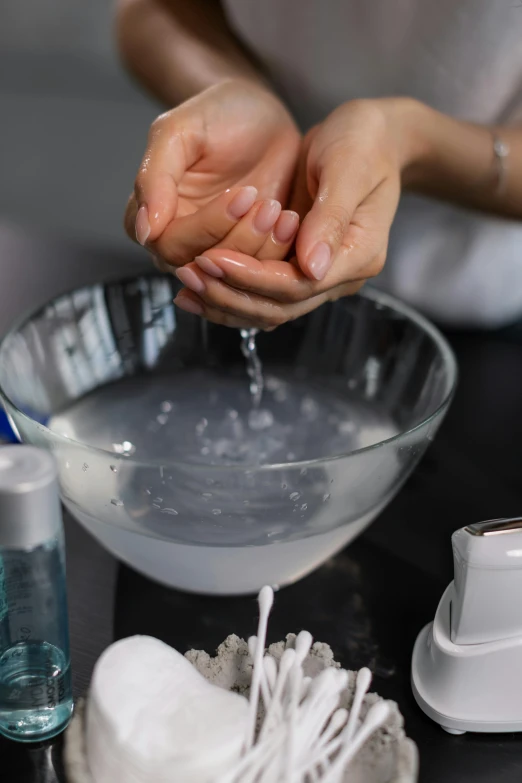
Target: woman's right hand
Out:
[206,163]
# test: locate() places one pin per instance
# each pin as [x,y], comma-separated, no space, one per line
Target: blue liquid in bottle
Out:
[35,678]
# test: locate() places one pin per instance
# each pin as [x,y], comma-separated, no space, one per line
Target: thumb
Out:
[336,180]
[171,150]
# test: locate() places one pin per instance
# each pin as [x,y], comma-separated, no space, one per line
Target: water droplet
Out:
[171,511]
[326,497]
[116,502]
[114,468]
[216,511]
[304,506]
[295,495]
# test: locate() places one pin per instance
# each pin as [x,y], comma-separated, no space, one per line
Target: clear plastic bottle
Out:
[35,677]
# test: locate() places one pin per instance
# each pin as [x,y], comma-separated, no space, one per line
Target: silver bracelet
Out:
[501,152]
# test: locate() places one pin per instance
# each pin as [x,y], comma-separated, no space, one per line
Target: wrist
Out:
[413,125]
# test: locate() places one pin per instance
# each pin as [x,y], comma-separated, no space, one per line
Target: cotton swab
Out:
[265,600]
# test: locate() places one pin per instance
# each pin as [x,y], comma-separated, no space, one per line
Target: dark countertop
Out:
[369,602]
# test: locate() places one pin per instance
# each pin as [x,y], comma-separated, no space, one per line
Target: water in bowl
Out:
[208,419]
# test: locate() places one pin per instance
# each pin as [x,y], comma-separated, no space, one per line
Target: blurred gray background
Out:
[72,124]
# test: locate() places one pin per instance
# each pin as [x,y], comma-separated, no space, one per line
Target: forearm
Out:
[454,161]
[177,48]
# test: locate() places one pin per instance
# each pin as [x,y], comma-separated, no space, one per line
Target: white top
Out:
[463,57]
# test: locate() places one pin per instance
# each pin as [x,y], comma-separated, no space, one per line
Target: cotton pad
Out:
[153,718]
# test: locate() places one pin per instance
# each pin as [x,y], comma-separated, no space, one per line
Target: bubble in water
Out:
[162,418]
[85,467]
[352,383]
[232,414]
[116,502]
[201,426]
[209,481]
[284,486]
[304,506]
[114,468]
[171,511]
[246,502]
[166,406]
[303,471]
[216,511]
[205,450]
[295,496]
[148,492]
[155,505]
[272,383]
[207,495]
[346,427]
[260,419]
[309,408]
[280,395]
[290,456]
[126,448]
[158,500]
[326,497]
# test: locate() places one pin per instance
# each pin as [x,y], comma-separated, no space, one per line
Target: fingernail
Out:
[142,225]
[242,202]
[319,260]
[286,226]
[185,303]
[267,215]
[209,266]
[190,280]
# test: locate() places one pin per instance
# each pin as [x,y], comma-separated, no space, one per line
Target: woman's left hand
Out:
[347,188]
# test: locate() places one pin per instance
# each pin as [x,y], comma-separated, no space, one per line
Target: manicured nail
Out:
[190,280]
[142,225]
[286,226]
[209,266]
[320,260]
[267,215]
[242,202]
[187,304]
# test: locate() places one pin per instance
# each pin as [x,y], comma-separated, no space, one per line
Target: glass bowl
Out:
[110,378]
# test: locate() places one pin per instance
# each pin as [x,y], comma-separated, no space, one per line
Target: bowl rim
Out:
[369,292]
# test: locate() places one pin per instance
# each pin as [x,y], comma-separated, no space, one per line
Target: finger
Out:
[250,234]
[278,243]
[340,181]
[300,199]
[284,282]
[190,235]
[188,301]
[260,312]
[173,147]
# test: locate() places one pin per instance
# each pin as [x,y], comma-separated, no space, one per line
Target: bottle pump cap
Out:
[30,511]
